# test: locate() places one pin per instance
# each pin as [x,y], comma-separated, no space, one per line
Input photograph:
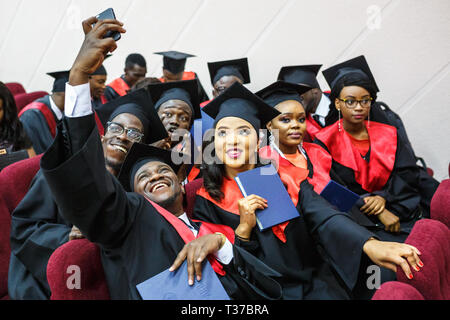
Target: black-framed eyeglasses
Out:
[116,129]
[352,103]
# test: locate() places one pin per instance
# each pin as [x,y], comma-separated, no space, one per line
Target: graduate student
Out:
[97,83]
[138,238]
[174,63]
[135,69]
[316,102]
[289,248]
[224,73]
[380,112]
[369,157]
[177,104]
[37,226]
[287,133]
[40,117]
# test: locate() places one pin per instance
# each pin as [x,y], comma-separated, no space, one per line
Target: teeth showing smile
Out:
[159,186]
[121,149]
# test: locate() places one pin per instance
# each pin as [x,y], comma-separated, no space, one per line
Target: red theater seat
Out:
[15,180]
[24,99]
[191,191]
[395,290]
[15,88]
[432,238]
[440,204]
[85,255]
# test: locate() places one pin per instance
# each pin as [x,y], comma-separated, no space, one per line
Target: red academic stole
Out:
[230,202]
[46,112]
[187,235]
[120,86]
[204,103]
[187,75]
[193,173]
[374,174]
[321,162]
[312,127]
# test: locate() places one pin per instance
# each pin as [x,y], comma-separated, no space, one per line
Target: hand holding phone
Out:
[109,14]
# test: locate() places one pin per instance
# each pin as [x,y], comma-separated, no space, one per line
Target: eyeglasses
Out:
[352,103]
[116,129]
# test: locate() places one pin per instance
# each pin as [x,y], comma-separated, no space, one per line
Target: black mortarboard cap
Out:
[281,91]
[356,65]
[140,154]
[138,103]
[61,77]
[306,75]
[238,101]
[185,90]
[174,61]
[236,67]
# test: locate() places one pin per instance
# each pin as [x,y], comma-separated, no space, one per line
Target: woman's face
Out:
[357,113]
[291,125]
[235,142]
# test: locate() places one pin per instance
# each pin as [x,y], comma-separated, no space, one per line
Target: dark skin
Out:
[59,98]
[113,150]
[97,84]
[170,77]
[224,83]
[290,125]
[134,73]
[175,114]
[353,123]
[157,181]
[311,99]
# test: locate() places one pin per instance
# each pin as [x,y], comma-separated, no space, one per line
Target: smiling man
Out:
[37,228]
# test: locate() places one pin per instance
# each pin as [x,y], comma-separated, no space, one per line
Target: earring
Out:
[339,121]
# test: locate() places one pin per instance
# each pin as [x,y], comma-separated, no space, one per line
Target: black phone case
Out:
[109,14]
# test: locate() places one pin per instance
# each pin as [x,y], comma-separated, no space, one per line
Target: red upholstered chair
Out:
[432,238]
[395,290]
[92,282]
[24,99]
[440,204]
[191,190]
[15,180]
[15,88]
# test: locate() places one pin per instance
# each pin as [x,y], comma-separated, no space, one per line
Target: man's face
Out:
[224,83]
[134,74]
[175,114]
[116,146]
[97,84]
[311,99]
[157,181]
[170,77]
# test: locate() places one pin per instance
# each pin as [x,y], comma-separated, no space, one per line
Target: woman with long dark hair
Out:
[369,157]
[291,248]
[12,135]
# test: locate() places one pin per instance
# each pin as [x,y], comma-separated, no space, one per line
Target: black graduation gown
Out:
[400,186]
[36,127]
[427,184]
[322,255]
[37,229]
[136,241]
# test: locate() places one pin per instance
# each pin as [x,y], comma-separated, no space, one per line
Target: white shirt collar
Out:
[185,218]
[55,109]
[323,108]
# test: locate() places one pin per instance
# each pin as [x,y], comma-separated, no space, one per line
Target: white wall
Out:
[405,41]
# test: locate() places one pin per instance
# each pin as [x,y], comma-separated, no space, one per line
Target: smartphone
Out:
[109,14]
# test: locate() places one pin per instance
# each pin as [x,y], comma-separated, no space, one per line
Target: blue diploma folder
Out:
[339,196]
[174,285]
[266,183]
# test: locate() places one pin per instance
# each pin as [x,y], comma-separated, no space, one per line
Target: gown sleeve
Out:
[341,238]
